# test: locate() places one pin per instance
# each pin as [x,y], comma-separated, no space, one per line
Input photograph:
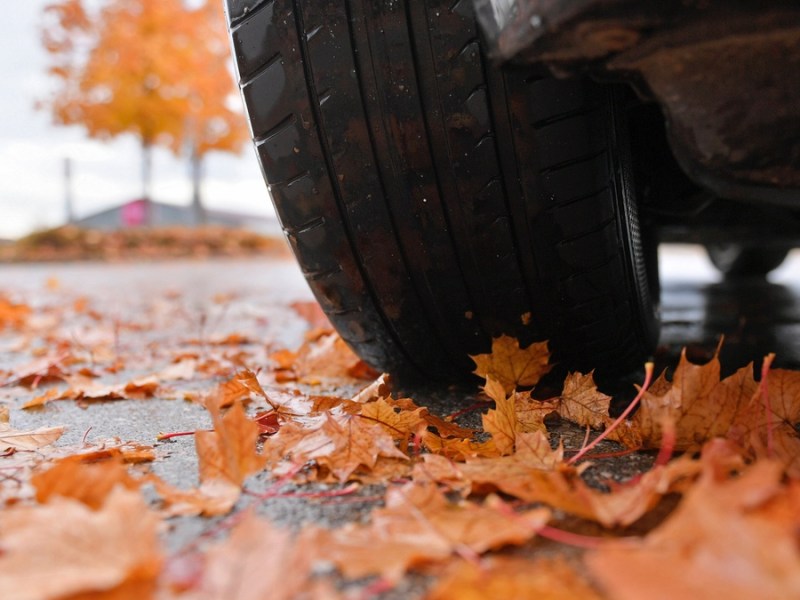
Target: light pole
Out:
[68,210]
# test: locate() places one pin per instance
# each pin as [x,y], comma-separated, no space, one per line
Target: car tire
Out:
[435,201]
[745,260]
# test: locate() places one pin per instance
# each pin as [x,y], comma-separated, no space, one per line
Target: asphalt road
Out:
[250,298]
[756,316]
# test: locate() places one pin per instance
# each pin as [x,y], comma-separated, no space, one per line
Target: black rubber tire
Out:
[745,260]
[434,201]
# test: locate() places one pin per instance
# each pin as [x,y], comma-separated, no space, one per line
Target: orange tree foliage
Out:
[152,68]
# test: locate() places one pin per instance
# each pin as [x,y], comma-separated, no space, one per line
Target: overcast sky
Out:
[32,150]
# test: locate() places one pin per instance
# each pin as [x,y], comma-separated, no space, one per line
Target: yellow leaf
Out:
[511,365]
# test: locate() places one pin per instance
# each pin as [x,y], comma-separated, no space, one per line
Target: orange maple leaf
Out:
[535,473]
[400,424]
[418,526]
[500,422]
[229,452]
[15,439]
[552,578]
[13,314]
[65,549]
[731,537]
[341,444]
[256,561]
[87,481]
[511,365]
[582,403]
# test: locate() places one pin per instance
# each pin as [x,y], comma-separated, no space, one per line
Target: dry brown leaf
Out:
[513,578]
[256,562]
[213,498]
[774,434]
[380,388]
[511,365]
[229,452]
[85,388]
[87,482]
[531,413]
[697,404]
[14,439]
[582,403]
[458,449]
[732,538]
[329,357]
[419,526]
[447,429]
[535,473]
[691,390]
[13,314]
[500,422]
[400,424]
[47,369]
[433,468]
[66,548]
[355,443]
[444,426]
[239,388]
[183,369]
[312,314]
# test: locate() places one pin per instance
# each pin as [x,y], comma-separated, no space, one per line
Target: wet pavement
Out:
[251,298]
[756,316]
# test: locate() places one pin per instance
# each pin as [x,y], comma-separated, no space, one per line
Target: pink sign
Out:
[134,213]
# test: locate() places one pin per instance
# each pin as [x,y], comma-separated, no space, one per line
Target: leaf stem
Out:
[168,436]
[764,387]
[648,376]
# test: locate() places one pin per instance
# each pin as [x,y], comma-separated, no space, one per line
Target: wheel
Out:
[744,260]
[434,201]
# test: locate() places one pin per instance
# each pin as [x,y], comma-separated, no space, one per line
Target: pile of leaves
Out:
[498,510]
[71,243]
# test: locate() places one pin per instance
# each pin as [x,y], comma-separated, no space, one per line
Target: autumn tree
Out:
[156,69]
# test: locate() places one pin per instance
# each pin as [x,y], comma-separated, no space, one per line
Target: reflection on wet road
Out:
[756,316]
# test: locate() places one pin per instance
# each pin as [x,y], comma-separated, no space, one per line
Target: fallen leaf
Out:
[500,422]
[731,537]
[433,468]
[312,314]
[342,444]
[87,482]
[535,473]
[65,548]
[511,365]
[27,440]
[228,453]
[13,314]
[182,370]
[213,498]
[257,561]
[268,422]
[47,369]
[400,424]
[582,403]
[548,578]
[329,357]
[419,526]
[84,388]
[531,413]
[380,388]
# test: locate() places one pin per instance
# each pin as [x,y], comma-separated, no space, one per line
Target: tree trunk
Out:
[147,169]
[147,179]
[196,167]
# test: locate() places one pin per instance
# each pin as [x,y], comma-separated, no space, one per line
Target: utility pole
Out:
[68,209]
